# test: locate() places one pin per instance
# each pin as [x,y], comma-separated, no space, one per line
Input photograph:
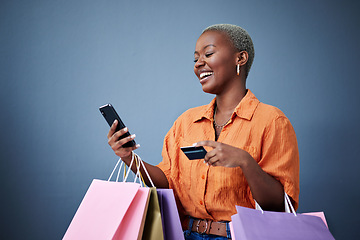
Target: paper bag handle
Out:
[118,174]
[288,205]
[146,172]
[134,157]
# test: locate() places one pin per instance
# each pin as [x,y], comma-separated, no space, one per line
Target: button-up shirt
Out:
[211,192]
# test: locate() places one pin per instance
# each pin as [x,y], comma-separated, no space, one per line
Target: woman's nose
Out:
[200,62]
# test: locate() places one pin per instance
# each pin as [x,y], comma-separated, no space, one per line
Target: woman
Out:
[252,147]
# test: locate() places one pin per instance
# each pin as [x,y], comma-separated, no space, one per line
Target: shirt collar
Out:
[245,109]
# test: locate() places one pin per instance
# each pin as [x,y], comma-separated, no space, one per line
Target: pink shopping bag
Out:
[103,210]
[132,225]
[318,214]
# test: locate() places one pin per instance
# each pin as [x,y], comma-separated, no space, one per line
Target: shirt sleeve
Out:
[167,153]
[165,164]
[280,156]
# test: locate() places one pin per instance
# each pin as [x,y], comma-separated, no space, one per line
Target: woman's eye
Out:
[206,55]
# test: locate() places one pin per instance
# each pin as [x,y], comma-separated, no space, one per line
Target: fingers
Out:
[213,157]
[112,129]
[124,152]
[120,142]
[121,151]
[208,143]
[211,161]
[117,144]
[114,135]
[209,155]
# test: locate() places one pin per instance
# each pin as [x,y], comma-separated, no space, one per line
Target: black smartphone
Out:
[109,113]
[194,153]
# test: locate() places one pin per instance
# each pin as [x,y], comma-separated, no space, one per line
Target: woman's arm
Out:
[156,174]
[267,191]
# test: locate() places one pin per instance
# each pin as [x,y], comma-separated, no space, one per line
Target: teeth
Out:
[205,74]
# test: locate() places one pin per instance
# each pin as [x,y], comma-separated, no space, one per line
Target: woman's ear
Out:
[242,58]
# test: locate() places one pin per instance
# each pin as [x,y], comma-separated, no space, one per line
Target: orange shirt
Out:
[209,192]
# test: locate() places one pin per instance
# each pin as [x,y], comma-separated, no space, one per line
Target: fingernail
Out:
[137,145]
[125,129]
[194,145]
[133,136]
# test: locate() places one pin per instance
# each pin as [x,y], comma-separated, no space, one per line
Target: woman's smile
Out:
[204,76]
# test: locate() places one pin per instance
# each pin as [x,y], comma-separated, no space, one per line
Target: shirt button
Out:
[201,203]
[203,176]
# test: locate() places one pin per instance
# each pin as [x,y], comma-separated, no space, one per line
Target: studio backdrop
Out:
[61,60]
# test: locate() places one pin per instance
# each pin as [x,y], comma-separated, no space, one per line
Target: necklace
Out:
[222,125]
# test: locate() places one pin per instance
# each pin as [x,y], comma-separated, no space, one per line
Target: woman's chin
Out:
[208,89]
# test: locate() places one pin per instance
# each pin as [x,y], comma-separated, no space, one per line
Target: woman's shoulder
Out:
[268,115]
[270,110]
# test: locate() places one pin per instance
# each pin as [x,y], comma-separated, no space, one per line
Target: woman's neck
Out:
[226,103]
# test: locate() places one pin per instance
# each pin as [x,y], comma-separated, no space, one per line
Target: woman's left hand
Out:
[267,191]
[224,155]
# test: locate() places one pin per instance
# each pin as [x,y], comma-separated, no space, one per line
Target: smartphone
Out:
[194,153]
[110,115]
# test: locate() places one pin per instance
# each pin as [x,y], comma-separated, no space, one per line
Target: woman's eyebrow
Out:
[209,45]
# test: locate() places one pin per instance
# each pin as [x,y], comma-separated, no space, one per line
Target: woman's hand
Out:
[267,191]
[224,155]
[116,143]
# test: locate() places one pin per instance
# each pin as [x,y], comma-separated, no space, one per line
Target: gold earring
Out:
[238,69]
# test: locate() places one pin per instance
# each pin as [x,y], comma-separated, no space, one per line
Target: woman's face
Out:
[215,62]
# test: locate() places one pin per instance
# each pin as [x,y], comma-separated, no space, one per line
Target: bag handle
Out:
[139,162]
[288,205]
[138,173]
[118,174]
[112,173]
[143,165]
[289,208]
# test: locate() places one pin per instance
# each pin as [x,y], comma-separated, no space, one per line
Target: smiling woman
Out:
[252,148]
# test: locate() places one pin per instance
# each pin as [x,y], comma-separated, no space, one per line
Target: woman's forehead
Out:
[212,38]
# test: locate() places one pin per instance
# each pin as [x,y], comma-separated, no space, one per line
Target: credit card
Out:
[194,153]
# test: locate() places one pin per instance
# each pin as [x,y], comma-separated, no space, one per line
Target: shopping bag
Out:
[102,210]
[132,225]
[110,210]
[318,214]
[258,224]
[153,229]
[232,232]
[170,215]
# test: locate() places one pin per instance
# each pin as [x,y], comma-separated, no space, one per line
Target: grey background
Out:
[61,60]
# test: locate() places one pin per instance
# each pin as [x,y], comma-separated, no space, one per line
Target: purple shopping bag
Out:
[170,215]
[255,225]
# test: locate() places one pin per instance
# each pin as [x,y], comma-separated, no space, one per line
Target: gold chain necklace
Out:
[220,126]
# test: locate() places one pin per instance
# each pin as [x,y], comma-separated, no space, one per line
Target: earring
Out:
[238,69]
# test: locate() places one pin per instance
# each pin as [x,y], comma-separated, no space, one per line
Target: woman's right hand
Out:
[157,175]
[116,143]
